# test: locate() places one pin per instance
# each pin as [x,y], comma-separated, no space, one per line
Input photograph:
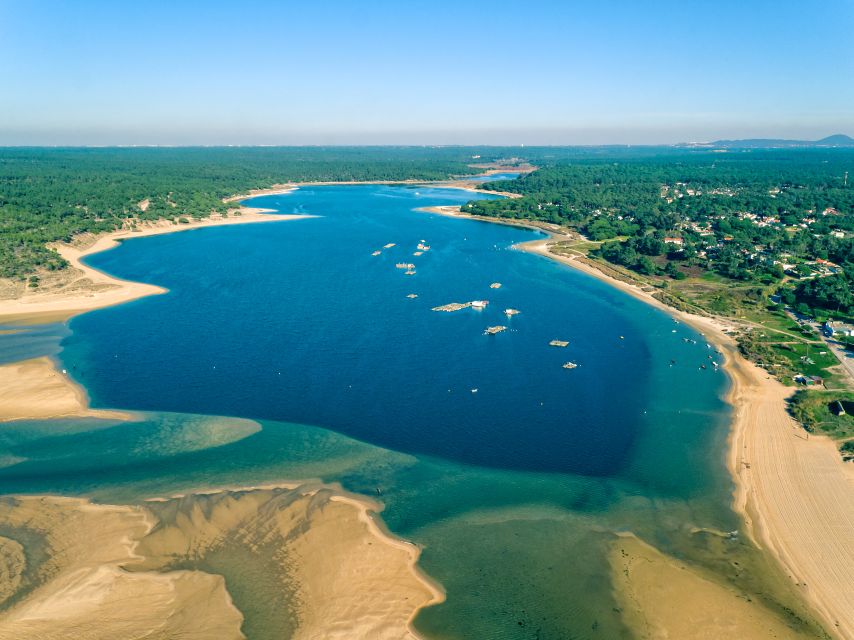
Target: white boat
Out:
[479,304]
[570,365]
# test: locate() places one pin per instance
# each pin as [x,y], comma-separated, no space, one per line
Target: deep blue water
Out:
[297,321]
[514,491]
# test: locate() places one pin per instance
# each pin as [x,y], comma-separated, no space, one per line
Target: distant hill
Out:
[837,140]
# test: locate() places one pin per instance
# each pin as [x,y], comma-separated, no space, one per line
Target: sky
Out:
[412,72]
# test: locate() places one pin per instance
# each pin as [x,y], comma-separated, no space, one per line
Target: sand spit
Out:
[660,597]
[306,562]
[795,493]
[35,390]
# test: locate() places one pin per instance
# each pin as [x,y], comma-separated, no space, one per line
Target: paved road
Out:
[845,357]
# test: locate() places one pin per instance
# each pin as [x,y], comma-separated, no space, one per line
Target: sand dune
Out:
[302,563]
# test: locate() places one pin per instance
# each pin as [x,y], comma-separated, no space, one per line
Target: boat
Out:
[559,343]
[412,295]
[376,253]
[479,304]
[570,365]
[405,265]
[410,272]
[511,312]
[496,329]
[388,246]
[453,306]
[495,285]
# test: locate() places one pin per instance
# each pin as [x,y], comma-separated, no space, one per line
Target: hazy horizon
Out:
[477,73]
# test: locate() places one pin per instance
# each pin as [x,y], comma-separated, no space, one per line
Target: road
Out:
[845,357]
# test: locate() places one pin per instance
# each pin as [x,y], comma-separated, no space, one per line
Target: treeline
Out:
[746,216]
[47,195]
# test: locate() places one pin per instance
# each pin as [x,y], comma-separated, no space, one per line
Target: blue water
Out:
[515,491]
[298,321]
[494,177]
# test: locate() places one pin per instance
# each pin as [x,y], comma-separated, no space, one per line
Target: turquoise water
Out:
[514,491]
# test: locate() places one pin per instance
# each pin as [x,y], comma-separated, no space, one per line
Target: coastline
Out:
[793,492]
[337,568]
[93,289]
[38,390]
[288,187]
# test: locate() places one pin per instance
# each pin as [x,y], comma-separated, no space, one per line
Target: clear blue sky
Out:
[481,72]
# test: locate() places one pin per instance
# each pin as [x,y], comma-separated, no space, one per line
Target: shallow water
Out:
[514,490]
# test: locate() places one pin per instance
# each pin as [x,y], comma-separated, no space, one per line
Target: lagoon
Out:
[515,490]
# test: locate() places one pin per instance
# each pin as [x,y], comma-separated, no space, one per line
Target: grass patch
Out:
[812,408]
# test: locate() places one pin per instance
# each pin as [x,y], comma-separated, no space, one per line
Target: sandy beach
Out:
[661,597]
[339,574]
[36,390]
[795,493]
[352,578]
[464,185]
[83,288]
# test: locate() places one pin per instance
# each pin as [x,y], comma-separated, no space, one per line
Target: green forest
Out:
[49,195]
[761,217]
[749,217]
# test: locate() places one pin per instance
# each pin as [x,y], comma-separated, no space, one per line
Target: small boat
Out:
[496,329]
[479,304]
[388,246]
[495,285]
[411,272]
[511,312]
[570,365]
[559,343]
[412,295]
[376,253]
[474,390]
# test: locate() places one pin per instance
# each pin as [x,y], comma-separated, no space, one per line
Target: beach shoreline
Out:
[781,479]
[94,289]
[346,572]
[793,492]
